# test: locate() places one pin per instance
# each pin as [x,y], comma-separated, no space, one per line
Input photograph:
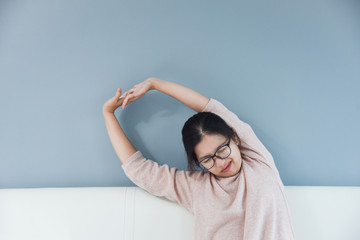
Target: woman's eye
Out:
[206,160]
[221,149]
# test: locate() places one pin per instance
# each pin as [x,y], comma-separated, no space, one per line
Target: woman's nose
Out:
[220,163]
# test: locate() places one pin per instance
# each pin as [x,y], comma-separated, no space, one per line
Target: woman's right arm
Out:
[122,145]
[160,180]
[187,96]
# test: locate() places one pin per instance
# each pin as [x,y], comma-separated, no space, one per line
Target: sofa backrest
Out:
[130,213]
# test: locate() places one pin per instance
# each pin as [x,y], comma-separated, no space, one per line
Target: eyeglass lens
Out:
[222,153]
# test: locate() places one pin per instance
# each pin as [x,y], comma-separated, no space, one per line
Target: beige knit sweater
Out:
[250,205]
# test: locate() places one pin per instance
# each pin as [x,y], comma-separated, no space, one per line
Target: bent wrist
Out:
[155,83]
[108,112]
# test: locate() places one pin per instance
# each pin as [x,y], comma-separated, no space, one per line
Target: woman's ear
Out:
[237,140]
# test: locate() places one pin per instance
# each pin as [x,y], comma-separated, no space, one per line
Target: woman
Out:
[238,195]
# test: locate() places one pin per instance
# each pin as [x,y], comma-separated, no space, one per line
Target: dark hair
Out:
[196,127]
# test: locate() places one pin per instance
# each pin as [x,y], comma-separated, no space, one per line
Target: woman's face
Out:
[223,167]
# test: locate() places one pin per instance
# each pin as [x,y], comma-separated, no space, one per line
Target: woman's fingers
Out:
[118,93]
[111,104]
[123,96]
[130,98]
[125,101]
[136,92]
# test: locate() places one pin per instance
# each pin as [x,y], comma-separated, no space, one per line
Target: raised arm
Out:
[187,96]
[122,146]
[160,180]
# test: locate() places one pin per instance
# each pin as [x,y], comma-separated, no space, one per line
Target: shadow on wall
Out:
[141,111]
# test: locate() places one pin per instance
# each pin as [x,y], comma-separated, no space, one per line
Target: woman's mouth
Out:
[227,168]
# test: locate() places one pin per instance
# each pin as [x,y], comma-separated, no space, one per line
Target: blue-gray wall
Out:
[289,69]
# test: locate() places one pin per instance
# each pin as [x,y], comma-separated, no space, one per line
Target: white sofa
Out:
[130,213]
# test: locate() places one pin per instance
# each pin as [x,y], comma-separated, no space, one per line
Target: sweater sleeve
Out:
[160,180]
[251,146]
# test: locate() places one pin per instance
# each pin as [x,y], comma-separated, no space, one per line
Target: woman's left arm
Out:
[191,98]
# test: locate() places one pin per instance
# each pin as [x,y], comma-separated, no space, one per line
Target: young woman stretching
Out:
[238,195]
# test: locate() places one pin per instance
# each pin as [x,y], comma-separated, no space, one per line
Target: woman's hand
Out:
[138,91]
[113,103]
[133,94]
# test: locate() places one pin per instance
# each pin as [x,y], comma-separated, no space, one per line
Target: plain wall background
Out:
[289,69]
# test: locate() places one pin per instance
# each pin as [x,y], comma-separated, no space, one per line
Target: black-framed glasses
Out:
[222,153]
